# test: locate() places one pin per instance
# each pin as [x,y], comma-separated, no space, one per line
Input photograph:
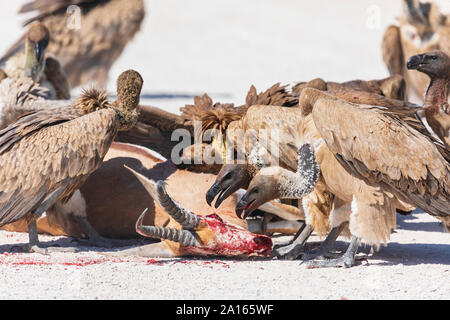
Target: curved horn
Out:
[158,192]
[177,212]
[184,237]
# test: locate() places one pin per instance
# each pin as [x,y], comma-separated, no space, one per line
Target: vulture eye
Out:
[255,190]
[227,176]
[434,57]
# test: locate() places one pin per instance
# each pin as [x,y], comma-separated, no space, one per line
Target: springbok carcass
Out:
[113,198]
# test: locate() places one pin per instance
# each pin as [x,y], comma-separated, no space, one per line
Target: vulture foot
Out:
[346,261]
[325,249]
[295,249]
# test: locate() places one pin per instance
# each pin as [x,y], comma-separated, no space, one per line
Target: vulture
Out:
[233,176]
[34,62]
[48,154]
[87,36]
[422,28]
[276,182]
[436,65]
[390,153]
[318,205]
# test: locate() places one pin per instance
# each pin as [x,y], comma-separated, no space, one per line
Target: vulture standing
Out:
[47,155]
[33,62]
[87,36]
[387,149]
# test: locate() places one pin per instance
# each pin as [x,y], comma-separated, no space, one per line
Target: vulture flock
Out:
[334,159]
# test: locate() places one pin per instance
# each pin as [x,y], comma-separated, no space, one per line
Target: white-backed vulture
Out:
[233,176]
[436,65]
[35,63]
[47,155]
[87,36]
[422,28]
[389,151]
[272,182]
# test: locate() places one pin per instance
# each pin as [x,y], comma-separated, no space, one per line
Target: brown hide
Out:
[115,198]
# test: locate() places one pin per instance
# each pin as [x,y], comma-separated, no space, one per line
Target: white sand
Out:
[415,265]
[222,47]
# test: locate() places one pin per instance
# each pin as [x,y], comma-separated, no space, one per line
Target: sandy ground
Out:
[414,265]
[222,47]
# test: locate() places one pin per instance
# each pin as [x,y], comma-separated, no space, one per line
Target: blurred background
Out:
[221,47]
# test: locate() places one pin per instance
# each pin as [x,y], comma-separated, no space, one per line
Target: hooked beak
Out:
[415,62]
[222,188]
[212,192]
[245,206]
[39,51]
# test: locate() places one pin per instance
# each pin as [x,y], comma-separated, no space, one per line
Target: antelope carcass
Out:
[113,198]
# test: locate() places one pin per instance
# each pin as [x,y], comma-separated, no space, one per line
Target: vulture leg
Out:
[347,260]
[296,248]
[327,245]
[34,245]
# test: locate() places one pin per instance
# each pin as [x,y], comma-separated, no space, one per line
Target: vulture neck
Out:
[128,117]
[291,185]
[33,68]
[437,94]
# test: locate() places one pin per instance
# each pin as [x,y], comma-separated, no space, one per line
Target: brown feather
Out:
[86,56]
[386,147]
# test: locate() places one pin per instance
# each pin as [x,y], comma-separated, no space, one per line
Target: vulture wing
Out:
[281,126]
[386,147]
[50,7]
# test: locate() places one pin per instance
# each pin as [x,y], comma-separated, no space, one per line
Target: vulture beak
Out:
[245,206]
[39,49]
[415,62]
[212,192]
[220,188]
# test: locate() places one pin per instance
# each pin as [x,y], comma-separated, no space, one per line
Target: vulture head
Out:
[231,178]
[36,42]
[275,182]
[129,85]
[436,64]
[263,188]
[200,235]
